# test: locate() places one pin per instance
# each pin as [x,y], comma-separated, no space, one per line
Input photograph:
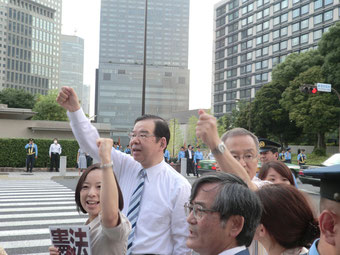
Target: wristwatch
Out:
[219,149]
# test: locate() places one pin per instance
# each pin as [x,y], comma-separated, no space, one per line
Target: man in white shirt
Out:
[236,151]
[223,214]
[161,227]
[54,152]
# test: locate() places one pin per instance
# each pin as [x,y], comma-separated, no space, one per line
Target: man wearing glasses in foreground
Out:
[223,214]
[154,193]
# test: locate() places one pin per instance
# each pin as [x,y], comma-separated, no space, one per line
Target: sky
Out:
[85,23]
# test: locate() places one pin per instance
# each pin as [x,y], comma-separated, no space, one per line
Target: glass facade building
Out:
[29,50]
[72,65]
[251,37]
[120,74]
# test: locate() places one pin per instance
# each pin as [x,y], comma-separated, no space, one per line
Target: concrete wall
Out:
[11,128]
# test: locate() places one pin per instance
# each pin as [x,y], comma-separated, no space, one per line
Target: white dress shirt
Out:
[161,226]
[233,251]
[55,148]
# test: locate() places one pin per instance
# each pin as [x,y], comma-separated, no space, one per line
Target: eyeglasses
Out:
[198,210]
[246,158]
[140,135]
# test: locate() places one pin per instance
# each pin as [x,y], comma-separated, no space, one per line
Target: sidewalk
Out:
[39,174]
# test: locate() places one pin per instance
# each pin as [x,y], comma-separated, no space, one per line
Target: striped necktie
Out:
[134,206]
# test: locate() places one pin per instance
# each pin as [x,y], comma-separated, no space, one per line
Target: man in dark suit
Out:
[189,154]
[223,214]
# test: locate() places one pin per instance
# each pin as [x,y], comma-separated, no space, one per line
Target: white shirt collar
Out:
[234,250]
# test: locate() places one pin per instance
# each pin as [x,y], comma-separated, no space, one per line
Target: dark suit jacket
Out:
[243,252]
[187,155]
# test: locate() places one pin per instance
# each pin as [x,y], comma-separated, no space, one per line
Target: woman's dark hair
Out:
[279,167]
[288,216]
[80,185]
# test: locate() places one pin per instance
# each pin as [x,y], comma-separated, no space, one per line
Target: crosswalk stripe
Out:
[32,192]
[41,222]
[36,203]
[25,243]
[28,208]
[37,215]
[32,209]
[34,199]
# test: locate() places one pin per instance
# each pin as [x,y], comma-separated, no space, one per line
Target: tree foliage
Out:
[313,113]
[329,47]
[176,138]
[17,98]
[191,132]
[48,109]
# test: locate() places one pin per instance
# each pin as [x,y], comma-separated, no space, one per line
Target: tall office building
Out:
[29,44]
[72,65]
[251,37]
[120,74]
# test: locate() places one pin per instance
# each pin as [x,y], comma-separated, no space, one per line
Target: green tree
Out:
[329,47]
[269,118]
[176,138]
[315,114]
[48,109]
[17,98]
[191,132]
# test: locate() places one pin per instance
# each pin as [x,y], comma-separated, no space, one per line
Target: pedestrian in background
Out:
[81,160]
[189,154]
[288,156]
[98,194]
[32,154]
[197,157]
[167,156]
[181,154]
[128,150]
[282,155]
[54,152]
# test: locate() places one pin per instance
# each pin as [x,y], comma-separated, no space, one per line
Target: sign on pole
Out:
[324,87]
[73,240]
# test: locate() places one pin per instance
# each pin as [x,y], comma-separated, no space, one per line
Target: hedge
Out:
[13,153]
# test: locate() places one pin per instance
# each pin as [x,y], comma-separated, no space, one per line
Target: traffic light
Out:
[309,89]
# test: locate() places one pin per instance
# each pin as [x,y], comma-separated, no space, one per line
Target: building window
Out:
[231,84]
[220,32]
[317,34]
[247,21]
[246,57]
[232,61]
[247,32]
[106,76]
[245,93]
[218,108]
[232,50]
[220,11]
[220,43]
[246,45]
[219,54]
[232,73]
[248,8]
[233,4]
[232,39]
[233,27]
[245,81]
[218,98]
[231,95]
[219,76]
[219,87]
[233,16]
[245,69]
[328,15]
[263,77]
[219,65]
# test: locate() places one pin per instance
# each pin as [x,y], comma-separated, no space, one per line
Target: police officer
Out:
[301,158]
[329,219]
[268,150]
[181,154]
[288,156]
[167,156]
[32,154]
[197,157]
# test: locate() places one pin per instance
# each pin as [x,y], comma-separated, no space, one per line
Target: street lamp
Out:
[144,62]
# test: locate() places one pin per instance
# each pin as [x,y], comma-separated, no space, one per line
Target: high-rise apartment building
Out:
[251,37]
[72,65]
[120,74]
[29,44]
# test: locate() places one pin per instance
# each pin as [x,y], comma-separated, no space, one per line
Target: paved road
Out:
[27,208]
